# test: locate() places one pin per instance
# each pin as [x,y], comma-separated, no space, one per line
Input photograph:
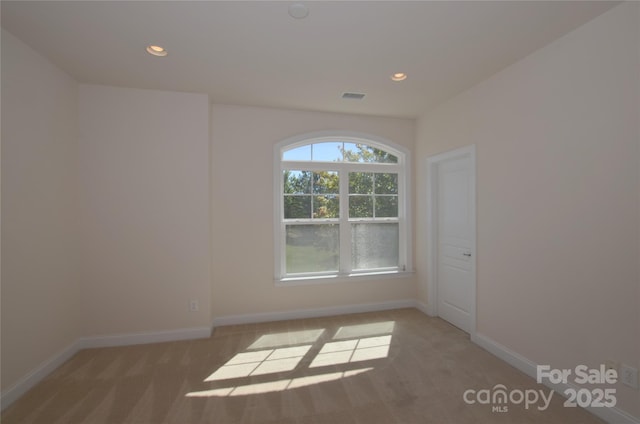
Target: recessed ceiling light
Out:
[298,11]
[399,76]
[156,50]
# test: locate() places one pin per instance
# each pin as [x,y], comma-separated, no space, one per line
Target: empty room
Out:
[282,212]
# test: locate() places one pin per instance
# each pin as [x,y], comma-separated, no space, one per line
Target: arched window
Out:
[341,207]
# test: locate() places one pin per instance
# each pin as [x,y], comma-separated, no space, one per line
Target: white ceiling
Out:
[254,53]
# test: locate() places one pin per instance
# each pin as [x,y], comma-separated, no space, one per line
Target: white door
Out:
[455,241]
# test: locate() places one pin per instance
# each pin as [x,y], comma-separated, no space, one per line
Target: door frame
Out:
[433,162]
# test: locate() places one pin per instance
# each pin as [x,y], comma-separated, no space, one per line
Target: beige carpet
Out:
[387,367]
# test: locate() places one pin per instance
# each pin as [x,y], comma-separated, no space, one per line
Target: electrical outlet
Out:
[193,305]
[629,376]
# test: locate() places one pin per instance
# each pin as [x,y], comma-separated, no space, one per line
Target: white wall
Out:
[40,297]
[144,209]
[242,144]
[557,141]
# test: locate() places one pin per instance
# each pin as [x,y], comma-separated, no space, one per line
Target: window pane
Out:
[384,157]
[327,152]
[296,207]
[299,153]
[326,182]
[386,206]
[297,182]
[351,151]
[386,183]
[374,245]
[326,206]
[356,152]
[312,248]
[337,151]
[360,182]
[360,206]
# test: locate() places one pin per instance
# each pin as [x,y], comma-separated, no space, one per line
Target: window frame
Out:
[345,273]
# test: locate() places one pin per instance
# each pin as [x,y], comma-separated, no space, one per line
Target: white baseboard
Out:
[145,338]
[611,415]
[36,375]
[424,308]
[509,356]
[312,313]
[48,366]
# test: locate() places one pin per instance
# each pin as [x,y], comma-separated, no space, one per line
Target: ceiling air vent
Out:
[354,96]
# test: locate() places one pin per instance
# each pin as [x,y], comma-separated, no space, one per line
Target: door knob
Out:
[467,254]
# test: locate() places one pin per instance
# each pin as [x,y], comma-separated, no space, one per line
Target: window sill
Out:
[341,278]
